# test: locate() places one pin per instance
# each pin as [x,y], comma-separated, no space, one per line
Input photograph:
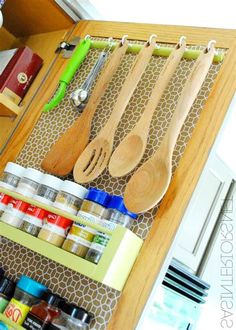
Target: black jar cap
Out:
[7,287]
[1,272]
[76,312]
[51,298]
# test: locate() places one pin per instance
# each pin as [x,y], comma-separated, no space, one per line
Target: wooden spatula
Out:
[130,151]
[62,156]
[150,182]
[95,157]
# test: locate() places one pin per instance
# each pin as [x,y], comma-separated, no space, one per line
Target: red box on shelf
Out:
[18,68]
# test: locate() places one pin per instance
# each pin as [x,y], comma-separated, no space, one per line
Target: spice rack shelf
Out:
[12,325]
[115,264]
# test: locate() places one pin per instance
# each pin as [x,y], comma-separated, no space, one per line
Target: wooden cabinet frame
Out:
[170,213]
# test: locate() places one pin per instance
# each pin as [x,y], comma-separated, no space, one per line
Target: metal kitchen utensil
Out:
[73,65]
[131,149]
[95,157]
[61,158]
[150,182]
[79,96]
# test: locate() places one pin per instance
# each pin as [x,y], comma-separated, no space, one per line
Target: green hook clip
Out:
[73,65]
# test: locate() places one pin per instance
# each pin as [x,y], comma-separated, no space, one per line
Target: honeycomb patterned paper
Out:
[97,298]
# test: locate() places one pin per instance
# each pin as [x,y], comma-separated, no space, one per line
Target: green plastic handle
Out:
[75,61]
[73,65]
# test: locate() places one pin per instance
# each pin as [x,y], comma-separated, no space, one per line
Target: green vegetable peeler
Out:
[75,61]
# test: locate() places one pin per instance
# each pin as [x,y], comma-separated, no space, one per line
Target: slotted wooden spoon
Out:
[131,149]
[62,156]
[150,182]
[95,157]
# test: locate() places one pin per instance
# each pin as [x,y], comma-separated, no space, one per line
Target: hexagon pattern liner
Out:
[95,297]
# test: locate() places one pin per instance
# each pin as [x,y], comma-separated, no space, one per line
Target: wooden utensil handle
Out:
[106,76]
[163,80]
[129,85]
[188,96]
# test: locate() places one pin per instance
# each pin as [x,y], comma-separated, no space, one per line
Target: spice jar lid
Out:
[7,287]
[51,181]
[74,189]
[76,312]
[98,196]
[58,220]
[32,174]
[51,298]
[116,202]
[30,286]
[1,272]
[14,168]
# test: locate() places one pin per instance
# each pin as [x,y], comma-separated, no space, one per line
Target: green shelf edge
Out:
[10,323]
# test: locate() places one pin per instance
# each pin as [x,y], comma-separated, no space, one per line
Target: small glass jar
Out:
[70,197]
[48,189]
[118,213]
[55,229]
[94,203]
[78,240]
[11,176]
[29,182]
[71,318]
[7,288]
[26,294]
[32,221]
[43,313]
[97,247]
[4,200]
[14,212]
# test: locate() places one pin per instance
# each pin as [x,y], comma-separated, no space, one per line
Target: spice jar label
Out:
[4,199]
[92,218]
[17,204]
[35,211]
[32,322]
[16,311]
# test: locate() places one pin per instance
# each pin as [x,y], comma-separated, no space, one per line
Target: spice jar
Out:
[70,197]
[118,213]
[97,247]
[26,294]
[55,229]
[7,288]
[14,212]
[48,189]
[4,199]
[94,203]
[32,221]
[11,176]
[29,182]
[71,318]
[79,239]
[42,314]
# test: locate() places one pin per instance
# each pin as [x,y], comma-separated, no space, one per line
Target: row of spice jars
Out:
[30,304]
[48,189]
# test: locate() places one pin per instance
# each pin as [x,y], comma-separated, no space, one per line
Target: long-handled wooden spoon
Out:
[95,157]
[62,156]
[130,151]
[150,182]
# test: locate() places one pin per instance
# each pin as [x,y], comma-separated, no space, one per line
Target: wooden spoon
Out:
[150,182]
[62,156]
[95,157]
[130,151]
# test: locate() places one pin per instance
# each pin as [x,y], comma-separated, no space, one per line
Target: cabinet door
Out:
[202,213]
